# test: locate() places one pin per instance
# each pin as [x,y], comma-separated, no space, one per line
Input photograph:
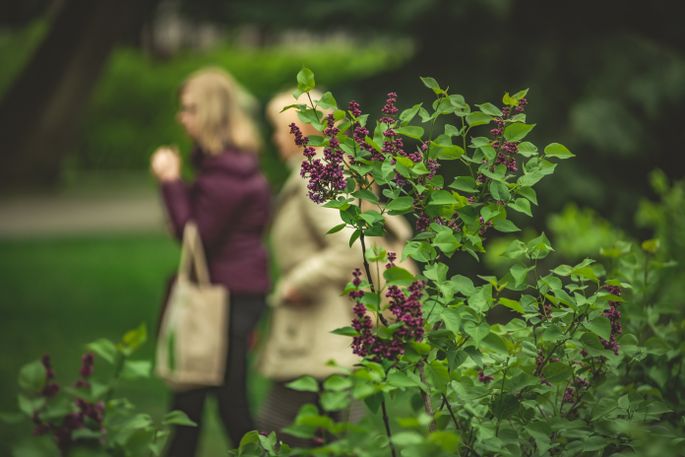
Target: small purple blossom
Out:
[87,362]
[614,316]
[485,379]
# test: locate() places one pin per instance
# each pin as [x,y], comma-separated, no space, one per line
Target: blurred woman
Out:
[313,270]
[229,201]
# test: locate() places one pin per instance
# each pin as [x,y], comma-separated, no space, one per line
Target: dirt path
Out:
[110,206]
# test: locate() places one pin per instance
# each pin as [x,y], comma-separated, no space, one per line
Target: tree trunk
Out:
[40,112]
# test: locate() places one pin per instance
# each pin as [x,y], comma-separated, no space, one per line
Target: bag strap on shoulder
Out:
[192,251]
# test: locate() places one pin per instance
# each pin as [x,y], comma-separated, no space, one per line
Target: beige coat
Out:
[318,266]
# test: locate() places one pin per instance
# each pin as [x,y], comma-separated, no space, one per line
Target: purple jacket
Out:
[230,203]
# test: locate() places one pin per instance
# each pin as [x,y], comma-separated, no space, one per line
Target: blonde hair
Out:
[223,111]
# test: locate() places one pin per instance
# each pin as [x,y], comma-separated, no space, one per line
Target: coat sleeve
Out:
[334,262]
[207,203]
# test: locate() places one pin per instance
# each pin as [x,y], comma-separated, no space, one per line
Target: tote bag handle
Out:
[192,251]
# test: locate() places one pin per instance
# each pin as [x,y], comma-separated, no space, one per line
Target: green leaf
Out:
[366,194]
[398,276]
[337,383]
[345,331]
[336,229]
[557,372]
[499,191]
[136,369]
[400,205]
[517,131]
[600,326]
[527,149]
[32,376]
[521,205]
[464,184]
[490,211]
[334,401]
[400,379]
[304,384]
[490,109]
[452,320]
[480,301]
[558,150]
[436,271]
[451,130]
[515,249]
[477,118]
[432,84]
[327,101]
[105,349]
[539,247]
[442,197]
[177,417]
[511,304]
[418,250]
[505,226]
[446,440]
[134,339]
[407,115]
[446,242]
[449,152]
[528,193]
[403,439]
[463,285]
[650,246]
[305,80]
[520,273]
[477,332]
[411,131]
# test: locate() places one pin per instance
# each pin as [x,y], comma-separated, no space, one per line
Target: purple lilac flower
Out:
[326,177]
[407,311]
[569,395]
[614,316]
[392,256]
[485,379]
[87,362]
[359,133]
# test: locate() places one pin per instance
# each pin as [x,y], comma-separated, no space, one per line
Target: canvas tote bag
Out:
[193,335]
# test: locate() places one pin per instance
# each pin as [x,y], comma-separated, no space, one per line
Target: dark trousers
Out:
[234,409]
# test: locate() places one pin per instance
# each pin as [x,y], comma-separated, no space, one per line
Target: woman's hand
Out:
[165,164]
[293,297]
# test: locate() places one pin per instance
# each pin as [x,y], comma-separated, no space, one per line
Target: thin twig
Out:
[388,432]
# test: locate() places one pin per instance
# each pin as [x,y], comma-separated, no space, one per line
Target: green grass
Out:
[58,294]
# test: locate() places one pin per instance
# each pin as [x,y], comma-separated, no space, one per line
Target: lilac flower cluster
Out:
[76,419]
[407,311]
[423,220]
[359,133]
[571,393]
[51,387]
[393,143]
[326,177]
[87,362]
[614,316]
[484,226]
[506,150]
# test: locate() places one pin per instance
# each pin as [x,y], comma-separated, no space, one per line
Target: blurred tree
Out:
[40,111]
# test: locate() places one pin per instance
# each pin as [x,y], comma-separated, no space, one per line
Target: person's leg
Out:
[184,440]
[234,407]
[280,409]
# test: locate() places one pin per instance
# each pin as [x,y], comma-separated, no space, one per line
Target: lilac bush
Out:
[539,382]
